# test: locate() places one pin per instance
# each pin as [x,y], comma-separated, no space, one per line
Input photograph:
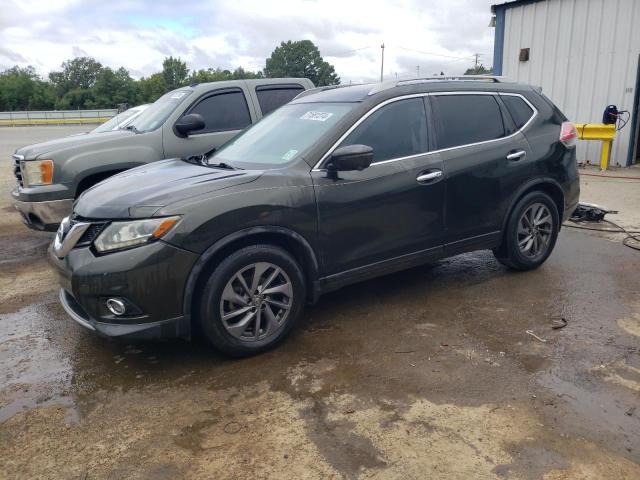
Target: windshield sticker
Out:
[178,95]
[289,155]
[317,116]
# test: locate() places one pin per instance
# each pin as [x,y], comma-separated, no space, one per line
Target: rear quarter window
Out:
[520,110]
[271,97]
[466,119]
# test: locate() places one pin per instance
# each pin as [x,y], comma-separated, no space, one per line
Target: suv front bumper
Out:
[150,278]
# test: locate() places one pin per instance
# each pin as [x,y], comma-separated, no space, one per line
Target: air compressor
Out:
[613,116]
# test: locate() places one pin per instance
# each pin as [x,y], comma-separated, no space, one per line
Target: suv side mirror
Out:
[189,123]
[351,157]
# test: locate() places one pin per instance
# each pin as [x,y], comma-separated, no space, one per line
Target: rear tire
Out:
[531,233]
[251,300]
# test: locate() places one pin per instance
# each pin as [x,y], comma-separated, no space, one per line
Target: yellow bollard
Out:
[598,131]
[605,154]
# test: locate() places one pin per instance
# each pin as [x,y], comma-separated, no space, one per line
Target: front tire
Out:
[251,301]
[531,233]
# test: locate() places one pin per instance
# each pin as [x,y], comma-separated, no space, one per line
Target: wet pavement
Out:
[450,370]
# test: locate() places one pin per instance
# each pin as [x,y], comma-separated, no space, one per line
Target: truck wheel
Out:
[251,301]
[531,233]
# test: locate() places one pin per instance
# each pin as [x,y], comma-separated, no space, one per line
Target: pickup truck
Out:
[184,122]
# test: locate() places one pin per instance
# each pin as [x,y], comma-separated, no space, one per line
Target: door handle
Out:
[516,155]
[429,176]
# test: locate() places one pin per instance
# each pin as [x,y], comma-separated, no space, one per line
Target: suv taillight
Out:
[568,134]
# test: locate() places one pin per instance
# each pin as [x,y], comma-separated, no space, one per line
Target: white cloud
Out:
[231,33]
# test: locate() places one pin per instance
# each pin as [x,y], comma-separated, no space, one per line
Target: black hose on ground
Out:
[631,235]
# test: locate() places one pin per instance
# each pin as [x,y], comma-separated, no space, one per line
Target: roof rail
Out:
[437,78]
[322,89]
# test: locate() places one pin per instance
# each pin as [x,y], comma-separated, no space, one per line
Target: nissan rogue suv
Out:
[339,185]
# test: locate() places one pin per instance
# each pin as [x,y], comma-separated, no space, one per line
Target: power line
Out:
[432,53]
[346,51]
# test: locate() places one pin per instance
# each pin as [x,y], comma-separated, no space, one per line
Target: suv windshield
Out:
[159,111]
[282,136]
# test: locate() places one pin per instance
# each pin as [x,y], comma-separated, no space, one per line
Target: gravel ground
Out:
[428,373]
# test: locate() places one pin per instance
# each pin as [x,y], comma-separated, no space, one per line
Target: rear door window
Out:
[520,111]
[393,131]
[466,119]
[222,111]
[271,97]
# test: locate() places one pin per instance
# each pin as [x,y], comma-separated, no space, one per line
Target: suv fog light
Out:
[116,306]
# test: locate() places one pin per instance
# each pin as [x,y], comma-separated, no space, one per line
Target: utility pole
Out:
[476,55]
[382,64]
[418,71]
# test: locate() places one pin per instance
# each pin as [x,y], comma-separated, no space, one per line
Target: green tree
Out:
[43,97]
[23,89]
[78,73]
[175,72]
[114,87]
[300,59]
[152,88]
[76,98]
[479,70]
[217,74]
[242,74]
[16,87]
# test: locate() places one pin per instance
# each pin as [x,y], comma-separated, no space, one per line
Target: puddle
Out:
[41,377]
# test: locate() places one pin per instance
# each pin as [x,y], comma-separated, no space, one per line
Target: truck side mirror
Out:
[188,124]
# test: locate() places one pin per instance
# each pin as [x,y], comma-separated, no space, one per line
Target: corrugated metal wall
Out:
[584,54]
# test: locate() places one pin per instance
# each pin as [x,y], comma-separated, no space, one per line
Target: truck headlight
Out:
[37,172]
[120,235]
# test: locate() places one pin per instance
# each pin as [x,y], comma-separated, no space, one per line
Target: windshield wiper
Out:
[131,127]
[223,165]
[196,159]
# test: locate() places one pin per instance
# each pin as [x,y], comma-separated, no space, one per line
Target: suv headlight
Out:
[37,172]
[119,235]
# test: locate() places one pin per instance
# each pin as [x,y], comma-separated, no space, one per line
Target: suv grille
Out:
[90,234]
[17,171]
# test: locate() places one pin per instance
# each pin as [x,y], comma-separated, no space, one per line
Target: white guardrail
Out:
[56,117]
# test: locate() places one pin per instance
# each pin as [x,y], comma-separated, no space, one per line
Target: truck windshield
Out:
[282,136]
[159,111]
[116,121]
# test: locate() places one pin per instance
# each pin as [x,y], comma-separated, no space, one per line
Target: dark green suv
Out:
[340,185]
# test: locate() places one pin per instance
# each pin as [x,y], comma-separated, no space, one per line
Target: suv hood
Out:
[31,152]
[141,191]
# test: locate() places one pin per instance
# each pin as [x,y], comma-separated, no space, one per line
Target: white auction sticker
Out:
[317,116]
[178,95]
[289,155]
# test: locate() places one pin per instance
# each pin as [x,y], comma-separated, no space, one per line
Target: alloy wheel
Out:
[256,301]
[535,228]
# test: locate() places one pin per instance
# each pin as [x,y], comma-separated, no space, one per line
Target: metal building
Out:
[585,54]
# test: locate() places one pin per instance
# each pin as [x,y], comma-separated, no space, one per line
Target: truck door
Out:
[226,111]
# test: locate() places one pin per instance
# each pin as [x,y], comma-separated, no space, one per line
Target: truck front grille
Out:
[17,170]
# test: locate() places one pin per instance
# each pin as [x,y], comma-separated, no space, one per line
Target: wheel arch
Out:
[547,185]
[90,180]
[287,239]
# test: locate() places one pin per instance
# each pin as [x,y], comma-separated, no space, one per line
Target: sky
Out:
[420,36]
